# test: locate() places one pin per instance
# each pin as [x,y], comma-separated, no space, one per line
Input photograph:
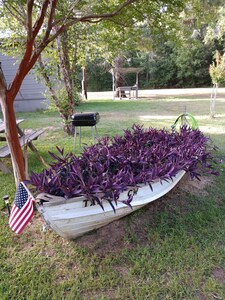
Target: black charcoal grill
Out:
[85,119]
[89,119]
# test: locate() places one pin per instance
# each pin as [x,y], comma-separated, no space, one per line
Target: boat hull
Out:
[71,218]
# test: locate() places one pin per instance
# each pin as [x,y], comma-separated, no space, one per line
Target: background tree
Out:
[217,73]
[44,22]
[55,66]
[131,44]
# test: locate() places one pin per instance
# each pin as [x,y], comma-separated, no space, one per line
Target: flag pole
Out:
[6,200]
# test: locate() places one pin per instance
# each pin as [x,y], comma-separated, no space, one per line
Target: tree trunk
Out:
[84,85]
[12,137]
[61,43]
[54,97]
[38,30]
[213,100]
[119,77]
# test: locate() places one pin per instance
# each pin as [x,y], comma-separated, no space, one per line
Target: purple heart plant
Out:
[114,165]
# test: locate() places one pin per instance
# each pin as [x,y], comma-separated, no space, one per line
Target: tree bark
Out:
[62,49]
[44,21]
[54,97]
[84,83]
[213,100]
[12,137]
[119,77]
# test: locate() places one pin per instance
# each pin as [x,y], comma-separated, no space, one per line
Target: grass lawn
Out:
[172,249]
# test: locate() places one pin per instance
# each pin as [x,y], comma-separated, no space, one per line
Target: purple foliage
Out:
[113,165]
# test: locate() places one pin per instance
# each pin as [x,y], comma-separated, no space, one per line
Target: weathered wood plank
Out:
[2,124]
[26,138]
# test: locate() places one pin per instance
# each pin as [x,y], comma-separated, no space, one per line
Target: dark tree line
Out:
[167,67]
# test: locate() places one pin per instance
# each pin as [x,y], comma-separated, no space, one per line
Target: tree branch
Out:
[30,4]
[30,57]
[40,20]
[89,18]
[50,20]
[44,43]
[15,13]
[3,84]
[94,18]
[49,86]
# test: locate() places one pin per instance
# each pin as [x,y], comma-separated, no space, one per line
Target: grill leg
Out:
[75,136]
[80,137]
[93,134]
[96,135]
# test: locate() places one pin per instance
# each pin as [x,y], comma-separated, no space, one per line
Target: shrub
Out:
[217,69]
[113,165]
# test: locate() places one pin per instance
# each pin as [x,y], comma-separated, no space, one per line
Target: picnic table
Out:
[132,91]
[26,139]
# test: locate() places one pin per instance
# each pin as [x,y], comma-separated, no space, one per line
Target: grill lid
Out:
[85,119]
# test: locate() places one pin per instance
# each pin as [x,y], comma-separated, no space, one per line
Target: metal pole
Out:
[136,85]
[93,134]
[75,136]
[113,84]
[6,200]
[80,137]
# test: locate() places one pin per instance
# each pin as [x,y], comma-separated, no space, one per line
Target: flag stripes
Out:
[22,210]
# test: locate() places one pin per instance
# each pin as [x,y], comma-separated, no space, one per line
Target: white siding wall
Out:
[30,96]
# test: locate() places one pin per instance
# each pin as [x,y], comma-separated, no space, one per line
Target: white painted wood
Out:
[70,219]
[31,94]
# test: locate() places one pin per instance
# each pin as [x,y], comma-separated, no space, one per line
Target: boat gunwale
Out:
[47,200]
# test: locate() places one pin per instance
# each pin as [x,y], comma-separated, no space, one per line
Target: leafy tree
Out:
[162,67]
[56,70]
[211,29]
[44,21]
[184,60]
[192,64]
[217,69]
[217,73]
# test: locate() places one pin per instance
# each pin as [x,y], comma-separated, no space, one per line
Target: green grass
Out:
[172,249]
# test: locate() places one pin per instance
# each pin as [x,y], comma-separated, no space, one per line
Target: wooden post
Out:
[213,100]
[136,85]
[113,84]
[84,83]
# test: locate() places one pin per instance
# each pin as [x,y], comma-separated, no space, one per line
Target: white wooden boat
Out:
[70,218]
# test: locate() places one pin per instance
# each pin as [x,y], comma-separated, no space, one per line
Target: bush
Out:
[63,100]
[106,169]
[217,69]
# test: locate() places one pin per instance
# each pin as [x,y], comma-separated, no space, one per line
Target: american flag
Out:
[22,209]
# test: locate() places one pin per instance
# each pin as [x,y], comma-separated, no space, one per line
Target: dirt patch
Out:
[196,187]
[103,294]
[219,275]
[106,240]
[200,296]
[121,270]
